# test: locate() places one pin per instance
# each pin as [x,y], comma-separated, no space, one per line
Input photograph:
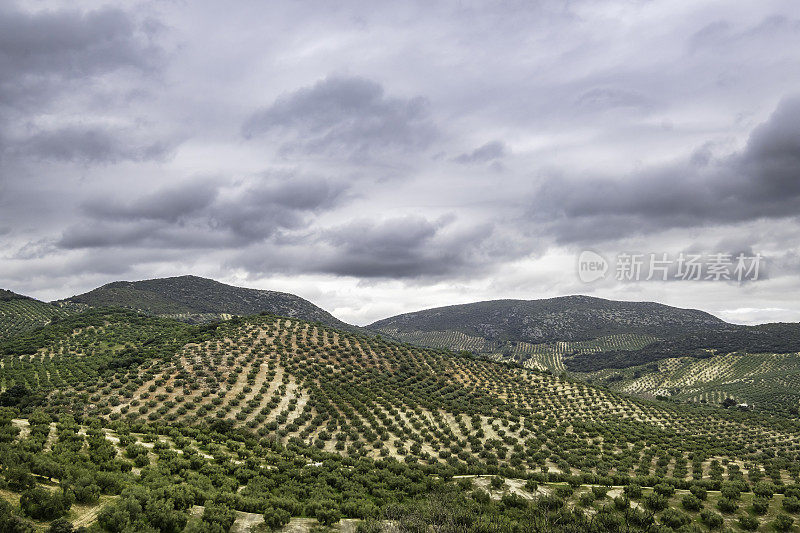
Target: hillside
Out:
[281,417]
[763,381]
[196,299]
[7,296]
[777,338]
[19,314]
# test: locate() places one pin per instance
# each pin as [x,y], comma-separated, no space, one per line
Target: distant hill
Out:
[196,299]
[583,333]
[568,318]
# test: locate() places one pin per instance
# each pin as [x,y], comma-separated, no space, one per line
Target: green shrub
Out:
[791,504]
[61,525]
[633,491]
[586,499]
[621,503]
[690,502]
[782,522]
[699,492]
[276,518]
[10,522]
[674,518]
[664,489]
[41,504]
[748,523]
[655,502]
[764,489]
[327,516]
[727,505]
[19,480]
[730,491]
[711,519]
[218,516]
[564,491]
[760,506]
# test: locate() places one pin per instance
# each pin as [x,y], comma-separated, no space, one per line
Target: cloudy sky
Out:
[405,156]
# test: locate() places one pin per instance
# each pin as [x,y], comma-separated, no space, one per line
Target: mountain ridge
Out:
[197,299]
[598,316]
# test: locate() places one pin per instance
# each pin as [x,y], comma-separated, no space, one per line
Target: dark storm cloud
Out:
[52,58]
[760,182]
[407,247]
[109,235]
[490,151]
[205,214]
[167,205]
[40,50]
[89,145]
[344,116]
[260,210]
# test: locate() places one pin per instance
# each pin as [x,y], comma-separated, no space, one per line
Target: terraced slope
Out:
[550,356]
[763,381]
[356,395]
[269,412]
[199,300]
[19,314]
[149,478]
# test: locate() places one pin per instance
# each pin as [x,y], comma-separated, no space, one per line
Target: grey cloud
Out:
[720,34]
[39,50]
[167,205]
[205,214]
[602,98]
[262,209]
[348,116]
[409,247]
[90,145]
[108,235]
[762,181]
[490,151]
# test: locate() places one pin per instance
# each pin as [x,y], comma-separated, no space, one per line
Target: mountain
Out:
[196,299]
[544,333]
[568,318]
[278,418]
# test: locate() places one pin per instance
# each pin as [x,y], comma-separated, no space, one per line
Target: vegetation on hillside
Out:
[19,314]
[764,382]
[779,338]
[283,418]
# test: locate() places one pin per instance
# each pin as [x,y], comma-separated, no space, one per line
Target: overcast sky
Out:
[409,155]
